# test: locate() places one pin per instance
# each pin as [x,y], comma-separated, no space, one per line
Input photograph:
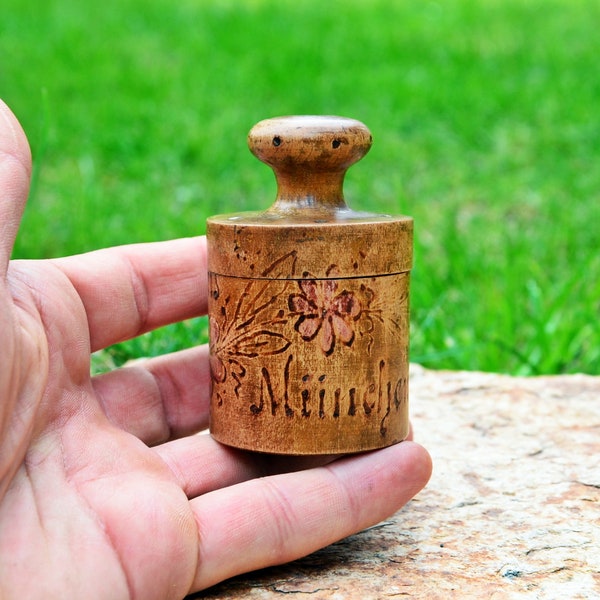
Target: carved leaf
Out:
[259,343]
[282,268]
[260,295]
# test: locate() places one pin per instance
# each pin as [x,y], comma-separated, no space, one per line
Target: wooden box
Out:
[309,304]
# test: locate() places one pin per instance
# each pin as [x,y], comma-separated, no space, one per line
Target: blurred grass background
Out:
[486,125]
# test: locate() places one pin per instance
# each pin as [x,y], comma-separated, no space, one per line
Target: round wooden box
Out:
[309,304]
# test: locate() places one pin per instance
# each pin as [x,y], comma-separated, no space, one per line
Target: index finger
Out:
[128,290]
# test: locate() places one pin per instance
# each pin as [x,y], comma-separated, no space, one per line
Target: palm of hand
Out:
[87,496]
[104,491]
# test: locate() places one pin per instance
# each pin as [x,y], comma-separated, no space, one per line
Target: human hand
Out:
[104,490]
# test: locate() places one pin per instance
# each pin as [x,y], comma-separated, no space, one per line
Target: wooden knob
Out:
[310,156]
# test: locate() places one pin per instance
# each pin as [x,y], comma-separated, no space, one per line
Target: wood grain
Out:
[308,304]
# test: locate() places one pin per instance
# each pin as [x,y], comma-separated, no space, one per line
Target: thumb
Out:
[15,174]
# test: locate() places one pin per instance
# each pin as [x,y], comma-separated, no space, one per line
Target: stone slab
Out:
[512,509]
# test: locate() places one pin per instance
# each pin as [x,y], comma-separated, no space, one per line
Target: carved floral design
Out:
[253,358]
[251,343]
[249,327]
[325,313]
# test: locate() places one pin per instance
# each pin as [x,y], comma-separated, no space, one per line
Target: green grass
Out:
[486,126]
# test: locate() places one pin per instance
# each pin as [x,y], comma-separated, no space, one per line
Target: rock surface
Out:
[512,509]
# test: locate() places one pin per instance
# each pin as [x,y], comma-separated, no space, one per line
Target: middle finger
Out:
[158,399]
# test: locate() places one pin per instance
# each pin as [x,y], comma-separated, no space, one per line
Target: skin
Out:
[105,491]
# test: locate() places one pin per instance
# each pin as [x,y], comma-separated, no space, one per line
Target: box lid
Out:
[309,232]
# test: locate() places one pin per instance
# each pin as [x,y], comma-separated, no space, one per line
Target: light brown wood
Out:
[308,304]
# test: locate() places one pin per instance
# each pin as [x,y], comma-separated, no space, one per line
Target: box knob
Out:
[310,156]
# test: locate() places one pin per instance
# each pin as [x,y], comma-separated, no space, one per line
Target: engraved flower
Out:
[324,312]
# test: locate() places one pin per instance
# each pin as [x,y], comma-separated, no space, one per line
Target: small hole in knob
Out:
[336,144]
[276,141]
